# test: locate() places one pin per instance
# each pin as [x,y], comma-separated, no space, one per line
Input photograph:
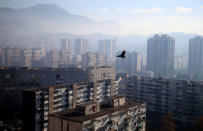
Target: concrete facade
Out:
[59,98]
[123,116]
[183,99]
[195,58]
[160,55]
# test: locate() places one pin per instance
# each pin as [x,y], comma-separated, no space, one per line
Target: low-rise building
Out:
[93,59]
[115,113]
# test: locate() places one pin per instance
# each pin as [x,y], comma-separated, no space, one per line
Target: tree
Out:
[167,123]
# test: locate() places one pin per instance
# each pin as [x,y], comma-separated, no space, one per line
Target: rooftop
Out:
[72,115]
[114,97]
[87,103]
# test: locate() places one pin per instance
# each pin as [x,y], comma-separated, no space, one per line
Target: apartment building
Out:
[115,113]
[39,102]
[13,80]
[183,99]
[93,59]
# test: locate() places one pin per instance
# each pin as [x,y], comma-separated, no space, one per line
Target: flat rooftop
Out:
[87,103]
[114,97]
[72,115]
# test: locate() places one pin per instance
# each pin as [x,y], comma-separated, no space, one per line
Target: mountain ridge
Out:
[49,18]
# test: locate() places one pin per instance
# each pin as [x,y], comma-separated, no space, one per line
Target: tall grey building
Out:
[160,55]
[67,45]
[80,46]
[195,59]
[107,47]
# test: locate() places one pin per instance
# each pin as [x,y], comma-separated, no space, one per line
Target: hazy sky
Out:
[135,16]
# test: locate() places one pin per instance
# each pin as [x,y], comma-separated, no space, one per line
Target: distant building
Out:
[143,62]
[88,60]
[67,45]
[146,73]
[64,58]
[36,54]
[100,59]
[53,59]
[108,47]
[8,56]
[160,55]
[100,73]
[37,57]
[135,62]
[93,59]
[180,63]
[27,57]
[43,51]
[183,99]
[195,58]
[39,102]
[76,60]
[114,114]
[17,57]
[131,64]
[80,46]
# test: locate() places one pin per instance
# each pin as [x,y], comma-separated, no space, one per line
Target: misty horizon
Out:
[143,18]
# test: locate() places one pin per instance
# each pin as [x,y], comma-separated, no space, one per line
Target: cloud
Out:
[119,9]
[153,10]
[183,10]
[201,6]
[104,10]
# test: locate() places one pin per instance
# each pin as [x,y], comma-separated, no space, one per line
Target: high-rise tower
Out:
[160,55]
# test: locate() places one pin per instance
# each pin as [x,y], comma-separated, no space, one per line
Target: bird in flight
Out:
[122,55]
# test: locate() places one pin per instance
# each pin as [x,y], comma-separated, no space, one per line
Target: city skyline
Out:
[101,65]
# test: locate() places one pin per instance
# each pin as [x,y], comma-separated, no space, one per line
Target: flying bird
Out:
[122,55]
